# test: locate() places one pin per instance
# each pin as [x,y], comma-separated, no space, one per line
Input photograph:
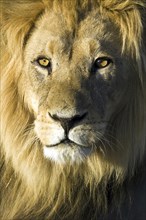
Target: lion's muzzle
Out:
[68,139]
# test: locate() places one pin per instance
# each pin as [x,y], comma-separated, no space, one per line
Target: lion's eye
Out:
[102,62]
[44,62]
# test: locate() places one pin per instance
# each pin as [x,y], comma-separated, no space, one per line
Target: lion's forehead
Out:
[54,35]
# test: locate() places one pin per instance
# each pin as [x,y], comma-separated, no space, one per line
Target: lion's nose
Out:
[68,122]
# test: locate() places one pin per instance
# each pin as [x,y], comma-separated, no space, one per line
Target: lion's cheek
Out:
[80,137]
[87,136]
[49,134]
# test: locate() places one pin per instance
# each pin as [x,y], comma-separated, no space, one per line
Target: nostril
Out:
[68,122]
[53,116]
[78,118]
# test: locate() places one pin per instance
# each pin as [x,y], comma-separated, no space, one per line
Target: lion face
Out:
[74,81]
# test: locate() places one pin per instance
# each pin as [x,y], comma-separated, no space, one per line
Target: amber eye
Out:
[102,62]
[44,62]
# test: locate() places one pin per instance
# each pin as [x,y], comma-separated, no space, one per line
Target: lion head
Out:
[73,108]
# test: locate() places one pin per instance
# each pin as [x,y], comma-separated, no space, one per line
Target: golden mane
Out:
[33,188]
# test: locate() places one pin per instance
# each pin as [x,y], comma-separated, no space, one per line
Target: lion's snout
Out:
[54,129]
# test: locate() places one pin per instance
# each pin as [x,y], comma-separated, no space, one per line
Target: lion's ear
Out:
[18,17]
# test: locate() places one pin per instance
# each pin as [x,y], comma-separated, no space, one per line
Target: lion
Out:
[73,110]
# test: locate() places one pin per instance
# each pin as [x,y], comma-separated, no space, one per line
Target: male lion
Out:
[73,110]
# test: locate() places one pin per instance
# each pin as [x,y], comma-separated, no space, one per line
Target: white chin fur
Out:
[65,155]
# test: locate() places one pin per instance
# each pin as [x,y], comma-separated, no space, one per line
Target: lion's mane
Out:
[34,188]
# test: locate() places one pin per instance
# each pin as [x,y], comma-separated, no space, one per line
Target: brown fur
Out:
[36,188]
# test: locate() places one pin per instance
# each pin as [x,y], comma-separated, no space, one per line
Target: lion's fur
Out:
[33,188]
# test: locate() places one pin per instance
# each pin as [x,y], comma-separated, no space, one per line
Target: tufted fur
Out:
[113,179]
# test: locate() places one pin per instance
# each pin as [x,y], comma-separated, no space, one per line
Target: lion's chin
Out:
[67,153]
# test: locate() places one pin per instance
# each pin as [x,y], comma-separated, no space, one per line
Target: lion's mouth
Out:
[66,142]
